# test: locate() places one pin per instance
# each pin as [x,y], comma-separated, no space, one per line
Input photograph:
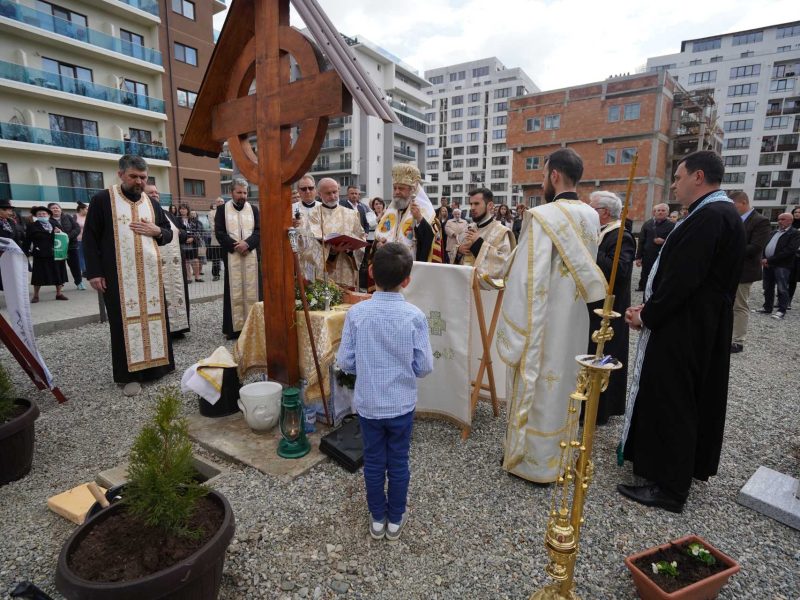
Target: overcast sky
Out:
[558,43]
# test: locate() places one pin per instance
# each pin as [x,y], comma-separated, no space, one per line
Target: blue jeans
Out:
[386,446]
[776,277]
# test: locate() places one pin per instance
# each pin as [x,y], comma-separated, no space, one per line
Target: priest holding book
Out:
[338,258]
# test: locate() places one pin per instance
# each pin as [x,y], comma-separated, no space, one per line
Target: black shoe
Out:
[736,348]
[215,278]
[651,495]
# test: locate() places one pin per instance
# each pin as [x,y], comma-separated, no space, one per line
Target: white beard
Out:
[400,203]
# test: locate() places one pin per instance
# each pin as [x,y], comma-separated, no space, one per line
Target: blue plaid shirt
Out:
[385,343]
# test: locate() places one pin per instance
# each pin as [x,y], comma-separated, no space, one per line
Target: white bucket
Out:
[261,404]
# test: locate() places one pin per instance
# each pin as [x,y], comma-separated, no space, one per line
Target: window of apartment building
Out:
[458,163]
[789,70]
[473,162]
[87,180]
[533,163]
[500,106]
[500,120]
[499,187]
[703,45]
[613,114]
[626,155]
[784,48]
[502,93]
[740,125]
[662,68]
[740,142]
[456,139]
[430,141]
[533,124]
[480,71]
[432,176]
[80,133]
[715,59]
[432,152]
[138,93]
[194,187]
[776,122]
[611,157]
[436,79]
[475,97]
[745,71]
[498,134]
[431,189]
[747,54]
[788,142]
[457,100]
[66,70]
[457,125]
[794,161]
[430,117]
[459,76]
[775,158]
[186,98]
[768,143]
[697,61]
[457,112]
[782,178]
[501,147]
[474,136]
[740,39]
[702,77]
[788,31]
[185,54]
[477,177]
[143,136]
[62,13]
[132,38]
[733,177]
[185,8]
[431,129]
[735,160]
[743,89]
[459,151]
[473,111]
[632,111]
[499,173]
[432,165]
[779,85]
[455,176]
[763,178]
[765,195]
[473,123]
[552,121]
[740,107]
[473,149]
[499,160]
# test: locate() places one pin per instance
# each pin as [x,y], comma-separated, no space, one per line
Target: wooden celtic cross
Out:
[268,79]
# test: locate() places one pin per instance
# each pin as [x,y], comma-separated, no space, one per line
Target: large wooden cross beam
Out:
[258,45]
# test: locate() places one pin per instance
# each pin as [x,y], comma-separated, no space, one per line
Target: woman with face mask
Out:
[39,244]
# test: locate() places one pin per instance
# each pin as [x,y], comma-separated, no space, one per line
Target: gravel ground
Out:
[474,532]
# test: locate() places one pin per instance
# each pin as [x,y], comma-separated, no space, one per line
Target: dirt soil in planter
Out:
[17,411]
[690,569]
[122,548]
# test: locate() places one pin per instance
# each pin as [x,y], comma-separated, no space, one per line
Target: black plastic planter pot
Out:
[197,577]
[16,443]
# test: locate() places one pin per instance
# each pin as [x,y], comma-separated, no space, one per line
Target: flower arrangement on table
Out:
[316,293]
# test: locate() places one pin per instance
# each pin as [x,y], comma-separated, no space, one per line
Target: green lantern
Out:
[292,421]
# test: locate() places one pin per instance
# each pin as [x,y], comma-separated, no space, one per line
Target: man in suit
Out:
[778,260]
[651,237]
[756,233]
[353,201]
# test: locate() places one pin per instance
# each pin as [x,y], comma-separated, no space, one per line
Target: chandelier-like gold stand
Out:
[576,469]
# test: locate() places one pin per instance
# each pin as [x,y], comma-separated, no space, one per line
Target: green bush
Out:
[161,490]
[7,395]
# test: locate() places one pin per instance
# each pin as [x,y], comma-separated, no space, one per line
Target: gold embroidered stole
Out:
[141,285]
[242,270]
[172,269]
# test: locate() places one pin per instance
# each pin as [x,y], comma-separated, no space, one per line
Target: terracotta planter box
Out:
[705,589]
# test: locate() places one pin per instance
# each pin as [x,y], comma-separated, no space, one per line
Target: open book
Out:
[341,239]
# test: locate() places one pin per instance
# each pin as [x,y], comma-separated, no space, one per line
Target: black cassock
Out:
[227,243]
[612,401]
[101,261]
[678,420]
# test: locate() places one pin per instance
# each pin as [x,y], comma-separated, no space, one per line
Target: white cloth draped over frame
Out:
[141,284]
[544,325]
[242,270]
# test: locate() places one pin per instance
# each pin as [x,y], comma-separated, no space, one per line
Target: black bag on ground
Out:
[344,444]
[229,396]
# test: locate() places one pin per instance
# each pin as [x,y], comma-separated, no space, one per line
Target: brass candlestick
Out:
[562,537]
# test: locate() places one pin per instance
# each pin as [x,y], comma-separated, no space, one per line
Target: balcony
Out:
[150,6]
[338,122]
[35,18]
[66,139]
[336,144]
[44,194]
[88,89]
[408,111]
[334,166]
[412,123]
[404,151]
[225,162]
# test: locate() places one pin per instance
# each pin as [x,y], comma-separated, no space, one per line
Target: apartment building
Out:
[466,145]
[752,76]
[84,81]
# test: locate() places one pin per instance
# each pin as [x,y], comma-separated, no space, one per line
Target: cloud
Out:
[558,43]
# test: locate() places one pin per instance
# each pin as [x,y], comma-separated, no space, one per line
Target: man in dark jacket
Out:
[778,260]
[69,226]
[756,232]
[353,201]
[651,237]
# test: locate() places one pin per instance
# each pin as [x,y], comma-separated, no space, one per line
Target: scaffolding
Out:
[694,125]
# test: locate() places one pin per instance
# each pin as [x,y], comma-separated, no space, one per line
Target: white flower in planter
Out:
[654,566]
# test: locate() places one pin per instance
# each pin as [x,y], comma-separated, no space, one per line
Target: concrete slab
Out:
[118,475]
[232,438]
[773,494]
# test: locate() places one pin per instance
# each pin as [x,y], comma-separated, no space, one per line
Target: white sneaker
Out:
[377,529]
[393,530]
[778,315]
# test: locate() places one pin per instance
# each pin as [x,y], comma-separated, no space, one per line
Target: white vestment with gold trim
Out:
[242,275]
[544,325]
[141,284]
[321,221]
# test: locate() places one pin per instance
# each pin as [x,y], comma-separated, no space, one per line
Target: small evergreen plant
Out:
[7,397]
[161,490]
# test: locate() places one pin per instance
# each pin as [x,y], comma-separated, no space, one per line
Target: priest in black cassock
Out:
[675,419]
[609,208]
[124,228]
[238,233]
